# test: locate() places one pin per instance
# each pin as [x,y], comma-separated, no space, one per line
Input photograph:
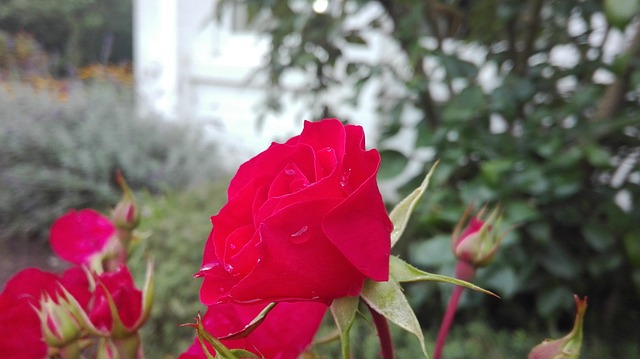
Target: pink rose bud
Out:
[478,243]
[83,237]
[126,214]
[567,347]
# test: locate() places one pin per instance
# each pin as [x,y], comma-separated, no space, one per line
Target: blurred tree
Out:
[530,103]
[80,31]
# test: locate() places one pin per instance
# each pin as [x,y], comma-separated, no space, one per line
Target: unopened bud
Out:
[126,214]
[59,323]
[567,347]
[478,243]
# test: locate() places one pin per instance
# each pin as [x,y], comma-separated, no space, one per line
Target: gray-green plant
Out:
[56,155]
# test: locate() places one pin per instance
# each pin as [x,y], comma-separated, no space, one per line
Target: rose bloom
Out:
[126,297]
[20,329]
[304,221]
[78,236]
[285,333]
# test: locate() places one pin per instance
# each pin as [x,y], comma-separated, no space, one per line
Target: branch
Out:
[614,94]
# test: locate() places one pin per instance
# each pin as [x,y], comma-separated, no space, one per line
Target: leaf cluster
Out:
[523,103]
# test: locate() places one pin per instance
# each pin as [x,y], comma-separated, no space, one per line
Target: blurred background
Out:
[530,104]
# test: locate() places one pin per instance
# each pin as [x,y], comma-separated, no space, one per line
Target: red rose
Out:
[126,297]
[287,330]
[20,328]
[77,236]
[304,221]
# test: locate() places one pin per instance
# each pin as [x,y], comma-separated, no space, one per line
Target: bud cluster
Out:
[92,310]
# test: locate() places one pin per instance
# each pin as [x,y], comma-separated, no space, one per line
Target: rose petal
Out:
[298,261]
[78,235]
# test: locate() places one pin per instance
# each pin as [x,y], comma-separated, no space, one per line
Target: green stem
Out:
[386,346]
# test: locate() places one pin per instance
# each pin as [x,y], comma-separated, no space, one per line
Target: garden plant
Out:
[304,232]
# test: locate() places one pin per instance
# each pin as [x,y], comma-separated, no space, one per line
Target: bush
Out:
[61,150]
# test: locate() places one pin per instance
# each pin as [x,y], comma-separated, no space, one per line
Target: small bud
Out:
[567,347]
[60,326]
[126,214]
[478,243]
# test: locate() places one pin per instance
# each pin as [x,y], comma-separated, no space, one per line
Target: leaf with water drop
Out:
[387,299]
[402,211]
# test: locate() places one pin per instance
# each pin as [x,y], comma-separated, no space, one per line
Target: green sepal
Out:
[387,299]
[403,272]
[243,354]
[118,329]
[344,313]
[252,325]
[222,352]
[147,296]
[401,213]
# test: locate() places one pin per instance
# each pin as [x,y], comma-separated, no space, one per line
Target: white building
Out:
[190,67]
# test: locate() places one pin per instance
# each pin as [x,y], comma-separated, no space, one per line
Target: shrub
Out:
[61,150]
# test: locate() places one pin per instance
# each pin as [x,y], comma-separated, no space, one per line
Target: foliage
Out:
[520,107]
[178,224]
[61,154]
[79,31]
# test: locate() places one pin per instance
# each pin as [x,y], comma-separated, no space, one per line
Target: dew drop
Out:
[228,267]
[344,181]
[300,231]
[289,172]
[232,246]
[204,269]
[300,236]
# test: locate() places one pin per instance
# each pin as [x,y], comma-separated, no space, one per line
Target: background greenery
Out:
[61,147]
[550,140]
[550,162]
[73,32]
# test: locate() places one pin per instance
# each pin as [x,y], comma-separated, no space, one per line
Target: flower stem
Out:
[464,271]
[382,327]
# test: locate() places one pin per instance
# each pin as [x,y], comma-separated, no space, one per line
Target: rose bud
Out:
[304,221]
[126,214]
[478,243]
[567,347]
[85,237]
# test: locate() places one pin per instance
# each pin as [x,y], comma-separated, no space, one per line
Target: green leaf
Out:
[402,211]
[402,271]
[387,299]
[251,326]
[344,313]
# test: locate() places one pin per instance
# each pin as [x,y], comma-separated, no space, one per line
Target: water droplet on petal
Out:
[344,181]
[229,268]
[204,269]
[300,235]
[232,246]
[300,231]
[289,172]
